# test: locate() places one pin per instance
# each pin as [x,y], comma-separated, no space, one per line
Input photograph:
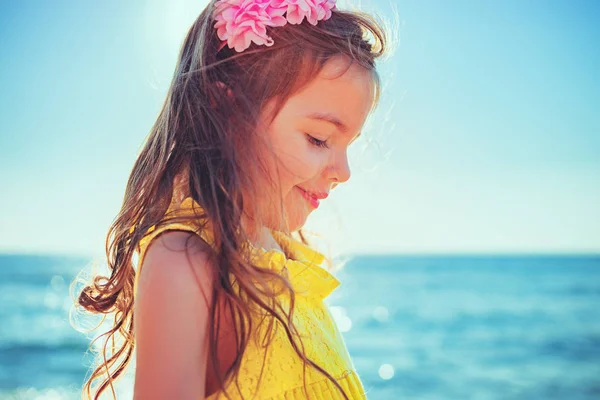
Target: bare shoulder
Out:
[177,257]
[171,241]
[172,317]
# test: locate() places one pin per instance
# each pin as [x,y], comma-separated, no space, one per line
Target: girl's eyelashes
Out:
[317,142]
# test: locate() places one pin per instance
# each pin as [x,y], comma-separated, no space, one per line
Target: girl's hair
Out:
[204,145]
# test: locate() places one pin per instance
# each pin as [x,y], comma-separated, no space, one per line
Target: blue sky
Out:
[487,138]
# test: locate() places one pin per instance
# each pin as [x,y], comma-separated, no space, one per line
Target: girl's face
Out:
[310,138]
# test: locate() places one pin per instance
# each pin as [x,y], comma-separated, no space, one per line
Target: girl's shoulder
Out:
[187,208]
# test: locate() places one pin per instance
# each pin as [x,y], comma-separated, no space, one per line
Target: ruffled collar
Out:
[304,267]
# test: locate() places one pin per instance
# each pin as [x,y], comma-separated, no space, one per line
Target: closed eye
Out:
[317,142]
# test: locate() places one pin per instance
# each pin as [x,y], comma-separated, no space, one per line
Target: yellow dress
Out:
[282,375]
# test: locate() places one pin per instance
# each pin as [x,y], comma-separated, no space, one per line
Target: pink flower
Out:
[313,10]
[243,21]
[240,22]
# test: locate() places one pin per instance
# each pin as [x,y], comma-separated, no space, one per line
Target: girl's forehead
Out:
[340,77]
[337,65]
[342,90]
[338,89]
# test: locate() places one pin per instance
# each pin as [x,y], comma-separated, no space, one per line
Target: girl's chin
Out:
[297,221]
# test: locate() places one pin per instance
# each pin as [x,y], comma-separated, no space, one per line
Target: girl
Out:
[225,299]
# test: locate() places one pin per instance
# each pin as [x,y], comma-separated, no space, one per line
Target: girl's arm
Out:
[171,318]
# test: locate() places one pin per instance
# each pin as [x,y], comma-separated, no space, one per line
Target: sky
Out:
[486,140]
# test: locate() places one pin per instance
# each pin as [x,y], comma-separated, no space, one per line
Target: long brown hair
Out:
[205,133]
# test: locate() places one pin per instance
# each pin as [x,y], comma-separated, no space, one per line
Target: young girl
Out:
[225,299]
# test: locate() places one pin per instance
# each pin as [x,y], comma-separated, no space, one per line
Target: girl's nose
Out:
[339,169]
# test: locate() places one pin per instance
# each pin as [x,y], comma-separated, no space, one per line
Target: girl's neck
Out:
[261,238]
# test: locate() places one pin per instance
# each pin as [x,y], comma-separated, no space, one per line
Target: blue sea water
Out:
[417,327]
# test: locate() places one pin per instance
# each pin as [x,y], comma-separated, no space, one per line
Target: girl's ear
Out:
[222,90]
[224,87]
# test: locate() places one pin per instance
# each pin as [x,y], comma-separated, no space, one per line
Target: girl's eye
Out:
[317,142]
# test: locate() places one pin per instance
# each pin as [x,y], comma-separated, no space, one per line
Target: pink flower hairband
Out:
[240,22]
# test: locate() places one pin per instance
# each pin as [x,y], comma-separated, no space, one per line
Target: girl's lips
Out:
[313,201]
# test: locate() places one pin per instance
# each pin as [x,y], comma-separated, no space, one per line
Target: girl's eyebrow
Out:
[328,117]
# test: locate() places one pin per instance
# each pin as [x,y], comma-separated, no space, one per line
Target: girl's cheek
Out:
[308,163]
[300,160]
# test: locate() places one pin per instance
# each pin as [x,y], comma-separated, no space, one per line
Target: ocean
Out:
[417,327]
